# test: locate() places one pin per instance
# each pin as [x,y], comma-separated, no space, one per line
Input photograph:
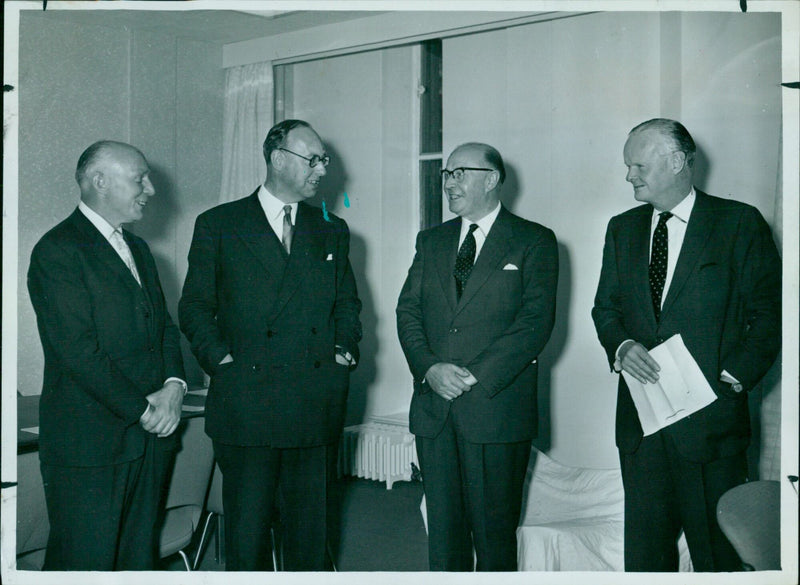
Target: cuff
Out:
[179,381]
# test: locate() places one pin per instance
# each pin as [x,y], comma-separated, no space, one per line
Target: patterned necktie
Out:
[288,229]
[465,260]
[658,261]
[119,244]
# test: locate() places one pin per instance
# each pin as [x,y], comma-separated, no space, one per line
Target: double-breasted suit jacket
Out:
[724,300]
[496,330]
[107,341]
[279,316]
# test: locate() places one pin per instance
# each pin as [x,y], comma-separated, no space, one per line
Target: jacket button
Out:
[454,330]
[314,330]
[316,364]
[269,333]
[147,314]
[256,367]
[151,349]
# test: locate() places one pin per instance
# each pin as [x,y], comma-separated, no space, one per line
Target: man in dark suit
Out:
[271,309]
[706,268]
[113,374]
[474,313]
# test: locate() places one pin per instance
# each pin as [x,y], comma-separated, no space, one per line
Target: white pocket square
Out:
[510,267]
[329,258]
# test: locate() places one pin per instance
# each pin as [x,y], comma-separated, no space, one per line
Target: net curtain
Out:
[247,117]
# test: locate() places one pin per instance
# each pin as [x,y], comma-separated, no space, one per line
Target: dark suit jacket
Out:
[279,316]
[107,344]
[724,300]
[496,330]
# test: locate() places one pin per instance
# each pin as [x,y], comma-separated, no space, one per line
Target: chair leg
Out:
[185,560]
[203,540]
[277,551]
[330,555]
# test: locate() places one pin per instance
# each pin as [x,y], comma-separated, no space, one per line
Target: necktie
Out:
[119,244]
[288,229]
[464,260]
[658,261]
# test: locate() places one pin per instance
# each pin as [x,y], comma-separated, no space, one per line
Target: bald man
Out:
[476,310]
[113,375]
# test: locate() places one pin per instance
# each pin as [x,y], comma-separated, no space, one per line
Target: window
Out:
[430,133]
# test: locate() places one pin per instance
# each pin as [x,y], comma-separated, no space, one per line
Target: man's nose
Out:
[629,175]
[149,190]
[320,169]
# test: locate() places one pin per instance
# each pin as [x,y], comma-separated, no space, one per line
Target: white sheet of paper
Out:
[681,390]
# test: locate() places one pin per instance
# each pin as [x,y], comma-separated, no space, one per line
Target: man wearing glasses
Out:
[474,313]
[271,309]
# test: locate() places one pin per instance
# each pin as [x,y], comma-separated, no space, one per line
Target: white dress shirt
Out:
[273,209]
[676,230]
[484,225]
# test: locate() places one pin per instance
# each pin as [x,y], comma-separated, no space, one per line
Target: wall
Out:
[561,98]
[80,83]
[361,105]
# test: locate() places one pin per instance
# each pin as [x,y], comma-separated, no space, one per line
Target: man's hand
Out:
[449,380]
[164,414]
[634,359]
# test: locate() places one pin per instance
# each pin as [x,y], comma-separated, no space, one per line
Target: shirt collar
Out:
[97,220]
[273,207]
[682,210]
[485,223]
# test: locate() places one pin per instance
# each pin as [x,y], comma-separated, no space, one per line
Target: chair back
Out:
[750,516]
[193,465]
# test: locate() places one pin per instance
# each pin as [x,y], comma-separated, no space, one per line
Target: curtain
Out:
[246,120]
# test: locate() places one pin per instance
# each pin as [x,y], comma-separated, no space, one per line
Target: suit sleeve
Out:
[69,334]
[607,310]
[171,340]
[347,306]
[410,327]
[197,309]
[513,350]
[759,285]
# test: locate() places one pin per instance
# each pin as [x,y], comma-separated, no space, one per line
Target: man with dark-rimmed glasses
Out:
[476,310]
[271,309]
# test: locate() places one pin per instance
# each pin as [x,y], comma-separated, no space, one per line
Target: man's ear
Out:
[276,157]
[678,161]
[492,179]
[99,182]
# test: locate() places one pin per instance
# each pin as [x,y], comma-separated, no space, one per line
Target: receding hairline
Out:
[102,152]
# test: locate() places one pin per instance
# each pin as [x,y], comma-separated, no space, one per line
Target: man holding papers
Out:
[707,269]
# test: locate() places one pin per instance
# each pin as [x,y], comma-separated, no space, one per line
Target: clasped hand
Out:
[449,380]
[164,413]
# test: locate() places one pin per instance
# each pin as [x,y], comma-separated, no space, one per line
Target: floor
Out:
[380,530]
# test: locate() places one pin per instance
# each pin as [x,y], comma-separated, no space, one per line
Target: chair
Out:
[749,516]
[214,521]
[187,491]
[33,527]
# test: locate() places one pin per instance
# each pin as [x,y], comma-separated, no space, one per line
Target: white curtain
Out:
[247,119]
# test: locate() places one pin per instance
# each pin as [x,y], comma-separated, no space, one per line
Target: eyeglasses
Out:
[458,173]
[313,161]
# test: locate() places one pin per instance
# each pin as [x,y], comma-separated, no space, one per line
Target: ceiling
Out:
[222,26]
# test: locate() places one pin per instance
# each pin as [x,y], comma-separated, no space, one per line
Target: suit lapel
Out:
[255,232]
[494,249]
[639,247]
[101,249]
[306,246]
[445,251]
[698,230]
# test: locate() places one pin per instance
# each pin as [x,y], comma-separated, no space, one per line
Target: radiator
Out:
[381,449]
